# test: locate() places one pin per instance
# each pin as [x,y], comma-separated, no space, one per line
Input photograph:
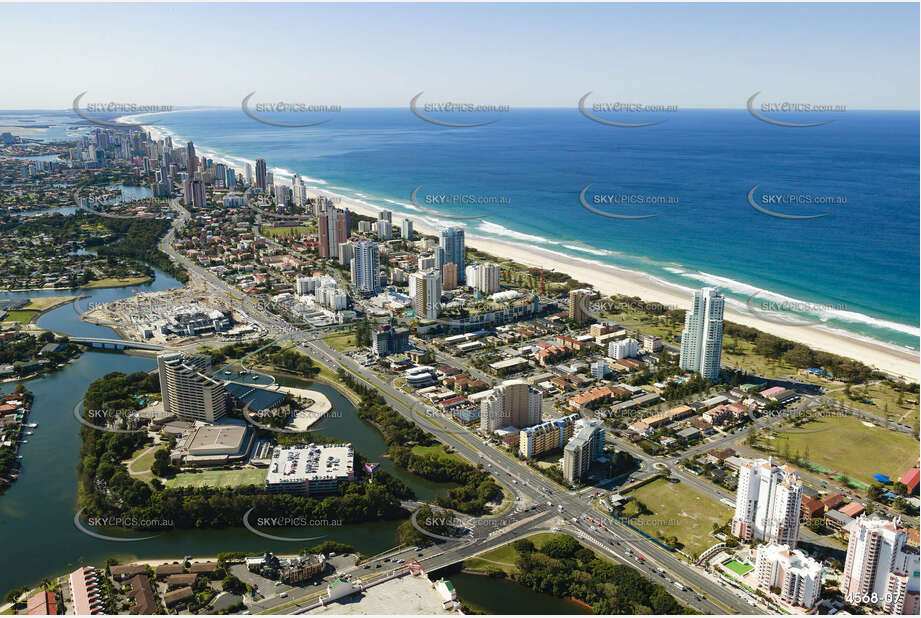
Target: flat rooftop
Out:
[310,462]
[407,595]
[211,438]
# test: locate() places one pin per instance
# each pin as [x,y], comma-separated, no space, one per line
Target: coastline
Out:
[612,280]
[609,280]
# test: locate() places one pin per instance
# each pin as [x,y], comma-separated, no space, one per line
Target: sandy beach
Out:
[609,280]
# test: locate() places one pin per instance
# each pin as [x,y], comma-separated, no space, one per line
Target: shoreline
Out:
[609,280]
[612,280]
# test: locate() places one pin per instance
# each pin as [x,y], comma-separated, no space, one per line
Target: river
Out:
[36,513]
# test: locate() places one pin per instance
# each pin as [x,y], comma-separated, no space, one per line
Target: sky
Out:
[522,55]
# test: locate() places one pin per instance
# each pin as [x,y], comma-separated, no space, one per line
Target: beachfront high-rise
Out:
[191,159]
[406,230]
[880,567]
[483,277]
[366,267]
[187,389]
[768,500]
[425,290]
[261,175]
[514,403]
[451,246]
[702,338]
[578,301]
[333,229]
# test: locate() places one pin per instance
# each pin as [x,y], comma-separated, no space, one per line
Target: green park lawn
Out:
[503,558]
[847,445]
[219,478]
[677,511]
[437,450]
[341,342]
[20,316]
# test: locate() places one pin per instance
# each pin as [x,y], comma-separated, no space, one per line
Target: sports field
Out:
[677,511]
[847,445]
[218,478]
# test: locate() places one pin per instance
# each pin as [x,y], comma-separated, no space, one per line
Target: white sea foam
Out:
[527,241]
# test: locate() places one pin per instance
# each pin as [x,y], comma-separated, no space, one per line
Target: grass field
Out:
[885,401]
[293,230]
[145,458]
[678,511]
[20,316]
[341,342]
[504,557]
[218,478]
[44,302]
[438,450]
[849,446]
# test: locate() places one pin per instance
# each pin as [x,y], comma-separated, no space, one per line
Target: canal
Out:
[37,531]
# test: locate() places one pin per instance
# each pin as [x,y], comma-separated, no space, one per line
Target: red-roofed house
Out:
[86,592]
[852,510]
[910,480]
[42,604]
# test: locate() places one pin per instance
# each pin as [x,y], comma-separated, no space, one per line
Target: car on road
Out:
[284,595]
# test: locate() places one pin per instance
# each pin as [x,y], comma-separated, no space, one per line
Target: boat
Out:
[227,373]
[32,425]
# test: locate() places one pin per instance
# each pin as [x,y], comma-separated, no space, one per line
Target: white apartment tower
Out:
[880,567]
[187,390]
[425,288]
[512,403]
[768,501]
[702,338]
[797,577]
[483,277]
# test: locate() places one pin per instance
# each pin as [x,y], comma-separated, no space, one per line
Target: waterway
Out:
[503,596]
[37,532]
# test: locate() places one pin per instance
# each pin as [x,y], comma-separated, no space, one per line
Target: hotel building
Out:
[545,437]
[187,390]
[512,404]
[768,500]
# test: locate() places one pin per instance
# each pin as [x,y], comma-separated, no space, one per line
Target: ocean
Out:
[855,269]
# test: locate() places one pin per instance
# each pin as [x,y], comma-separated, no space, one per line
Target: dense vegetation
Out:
[564,568]
[108,490]
[477,487]
[799,355]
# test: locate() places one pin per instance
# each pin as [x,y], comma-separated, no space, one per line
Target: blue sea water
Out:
[857,266]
